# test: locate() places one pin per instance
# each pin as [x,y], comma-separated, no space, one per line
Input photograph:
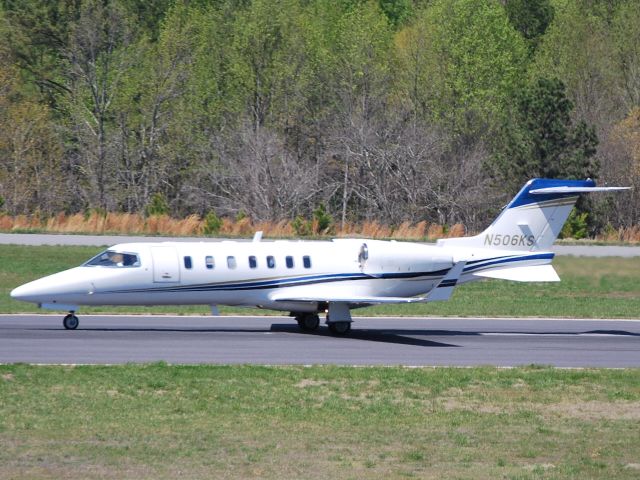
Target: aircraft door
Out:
[166,266]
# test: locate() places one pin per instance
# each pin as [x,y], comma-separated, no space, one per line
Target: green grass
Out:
[590,288]
[159,421]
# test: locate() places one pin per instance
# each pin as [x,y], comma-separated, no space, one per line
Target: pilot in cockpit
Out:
[117,259]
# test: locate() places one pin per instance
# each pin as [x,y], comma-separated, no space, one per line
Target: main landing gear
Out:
[339,328]
[310,322]
[70,322]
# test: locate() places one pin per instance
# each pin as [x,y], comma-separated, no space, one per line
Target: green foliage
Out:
[323,219]
[576,49]
[397,11]
[576,226]
[212,223]
[472,60]
[530,17]
[541,140]
[157,205]
[148,14]
[301,226]
[133,96]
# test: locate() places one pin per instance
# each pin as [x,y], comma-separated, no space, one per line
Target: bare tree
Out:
[97,60]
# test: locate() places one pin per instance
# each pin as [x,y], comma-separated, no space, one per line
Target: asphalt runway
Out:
[277,340]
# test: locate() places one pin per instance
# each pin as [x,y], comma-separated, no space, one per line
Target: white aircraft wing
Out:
[442,291]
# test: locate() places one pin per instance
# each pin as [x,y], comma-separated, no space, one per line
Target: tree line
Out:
[387,110]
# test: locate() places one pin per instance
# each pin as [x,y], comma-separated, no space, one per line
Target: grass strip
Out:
[160,421]
[590,288]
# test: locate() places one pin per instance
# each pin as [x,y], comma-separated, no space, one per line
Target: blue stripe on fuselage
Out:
[472,266]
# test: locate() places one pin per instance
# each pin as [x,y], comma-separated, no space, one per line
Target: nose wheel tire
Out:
[308,321]
[70,322]
[340,328]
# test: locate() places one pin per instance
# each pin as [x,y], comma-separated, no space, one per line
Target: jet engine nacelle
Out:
[379,257]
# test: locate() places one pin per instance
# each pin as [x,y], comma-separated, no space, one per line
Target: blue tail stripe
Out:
[525,198]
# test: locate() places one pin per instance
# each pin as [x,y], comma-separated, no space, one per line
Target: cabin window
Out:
[306,261]
[289,261]
[271,262]
[231,262]
[187,263]
[110,258]
[208,260]
[253,262]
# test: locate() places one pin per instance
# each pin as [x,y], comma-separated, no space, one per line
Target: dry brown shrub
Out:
[369,229]
[192,225]
[94,223]
[282,228]
[408,231]
[267,228]
[435,231]
[456,230]
[242,227]
[227,226]
[401,230]
[610,235]
[419,230]
[157,224]
[73,223]
[132,223]
[630,234]
[54,223]
[111,223]
[346,230]
[6,222]
[20,222]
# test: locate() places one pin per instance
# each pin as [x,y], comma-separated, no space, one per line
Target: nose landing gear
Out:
[70,322]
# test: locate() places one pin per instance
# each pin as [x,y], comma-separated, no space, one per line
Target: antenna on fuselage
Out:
[257,236]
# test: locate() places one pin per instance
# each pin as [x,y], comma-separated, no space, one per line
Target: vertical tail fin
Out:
[533,219]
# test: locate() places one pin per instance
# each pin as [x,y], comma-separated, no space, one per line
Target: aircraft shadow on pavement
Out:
[399,337]
[388,336]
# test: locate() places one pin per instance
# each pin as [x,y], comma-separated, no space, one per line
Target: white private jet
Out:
[310,277]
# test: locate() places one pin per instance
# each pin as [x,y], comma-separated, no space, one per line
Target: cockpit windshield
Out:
[110,258]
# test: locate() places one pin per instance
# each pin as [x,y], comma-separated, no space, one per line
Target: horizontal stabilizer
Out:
[567,189]
[533,273]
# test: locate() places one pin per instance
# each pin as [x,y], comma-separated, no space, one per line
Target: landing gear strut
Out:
[70,322]
[308,321]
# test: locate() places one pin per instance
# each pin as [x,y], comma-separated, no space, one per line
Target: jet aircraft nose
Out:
[29,292]
[56,288]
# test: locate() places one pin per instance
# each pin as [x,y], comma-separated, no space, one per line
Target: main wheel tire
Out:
[340,328]
[70,322]
[308,321]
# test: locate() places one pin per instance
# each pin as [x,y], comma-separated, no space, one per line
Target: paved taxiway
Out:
[277,340]
[104,240]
